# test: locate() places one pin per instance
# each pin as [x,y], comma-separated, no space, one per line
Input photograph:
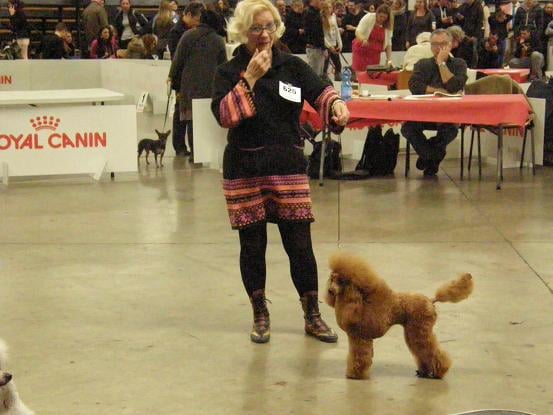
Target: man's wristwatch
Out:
[442,64]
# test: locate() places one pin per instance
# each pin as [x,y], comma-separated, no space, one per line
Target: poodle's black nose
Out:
[7,377]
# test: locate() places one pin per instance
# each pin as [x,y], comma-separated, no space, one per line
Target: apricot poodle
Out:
[366,307]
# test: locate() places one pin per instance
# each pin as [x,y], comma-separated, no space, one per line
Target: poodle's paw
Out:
[427,375]
[356,375]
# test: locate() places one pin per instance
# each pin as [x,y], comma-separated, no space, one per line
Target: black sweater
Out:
[137,22]
[473,19]
[19,25]
[313,25]
[426,73]
[276,121]
[52,47]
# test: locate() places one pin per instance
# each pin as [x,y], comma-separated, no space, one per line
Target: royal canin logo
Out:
[54,140]
[45,123]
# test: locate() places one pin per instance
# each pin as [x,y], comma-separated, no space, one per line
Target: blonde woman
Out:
[333,39]
[372,37]
[258,96]
[162,23]
[421,20]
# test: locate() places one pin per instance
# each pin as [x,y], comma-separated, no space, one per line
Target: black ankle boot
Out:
[314,324]
[261,330]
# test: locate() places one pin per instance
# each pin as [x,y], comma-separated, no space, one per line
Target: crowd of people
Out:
[515,34]
[126,34]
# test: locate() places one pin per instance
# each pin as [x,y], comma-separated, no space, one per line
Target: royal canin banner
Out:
[68,139]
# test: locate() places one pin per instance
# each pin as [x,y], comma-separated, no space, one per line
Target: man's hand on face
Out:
[443,55]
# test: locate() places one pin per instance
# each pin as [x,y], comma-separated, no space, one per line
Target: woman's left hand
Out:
[340,113]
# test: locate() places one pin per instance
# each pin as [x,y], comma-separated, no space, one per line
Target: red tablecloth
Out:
[378,78]
[518,75]
[492,110]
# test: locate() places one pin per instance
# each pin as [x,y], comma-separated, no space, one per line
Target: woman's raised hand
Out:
[258,66]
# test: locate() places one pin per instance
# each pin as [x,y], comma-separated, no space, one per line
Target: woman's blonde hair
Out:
[243,17]
[325,16]
[164,18]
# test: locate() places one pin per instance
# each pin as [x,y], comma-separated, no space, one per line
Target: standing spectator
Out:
[162,23]
[174,5]
[372,37]
[223,9]
[294,36]
[490,53]
[104,46]
[471,19]
[444,15]
[351,20]
[399,11]
[281,7]
[463,47]
[498,25]
[547,19]
[527,53]
[439,73]
[190,19]
[339,12]
[529,14]
[94,18]
[333,40]
[199,52]
[315,38]
[52,45]
[420,20]
[486,15]
[129,23]
[19,26]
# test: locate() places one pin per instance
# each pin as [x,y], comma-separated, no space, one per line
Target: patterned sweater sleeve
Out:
[320,94]
[231,104]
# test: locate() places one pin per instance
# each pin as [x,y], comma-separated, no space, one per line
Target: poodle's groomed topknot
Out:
[355,269]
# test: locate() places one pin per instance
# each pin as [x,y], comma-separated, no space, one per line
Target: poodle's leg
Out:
[432,362]
[360,358]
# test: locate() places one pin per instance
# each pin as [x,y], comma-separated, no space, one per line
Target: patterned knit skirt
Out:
[268,184]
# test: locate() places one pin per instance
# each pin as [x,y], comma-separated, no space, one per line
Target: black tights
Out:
[296,238]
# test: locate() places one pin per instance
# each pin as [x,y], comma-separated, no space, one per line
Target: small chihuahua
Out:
[155,146]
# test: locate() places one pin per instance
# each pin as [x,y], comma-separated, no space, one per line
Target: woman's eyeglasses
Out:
[257,30]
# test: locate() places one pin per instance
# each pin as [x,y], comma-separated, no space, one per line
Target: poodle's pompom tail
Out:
[456,290]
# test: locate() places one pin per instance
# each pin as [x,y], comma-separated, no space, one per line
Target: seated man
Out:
[527,53]
[439,73]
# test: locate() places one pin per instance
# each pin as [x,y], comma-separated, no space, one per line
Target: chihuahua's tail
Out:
[455,291]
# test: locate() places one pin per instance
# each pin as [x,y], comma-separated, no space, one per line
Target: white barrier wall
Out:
[132,77]
[49,74]
[67,140]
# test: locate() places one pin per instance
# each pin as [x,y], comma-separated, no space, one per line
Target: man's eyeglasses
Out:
[439,44]
[257,30]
